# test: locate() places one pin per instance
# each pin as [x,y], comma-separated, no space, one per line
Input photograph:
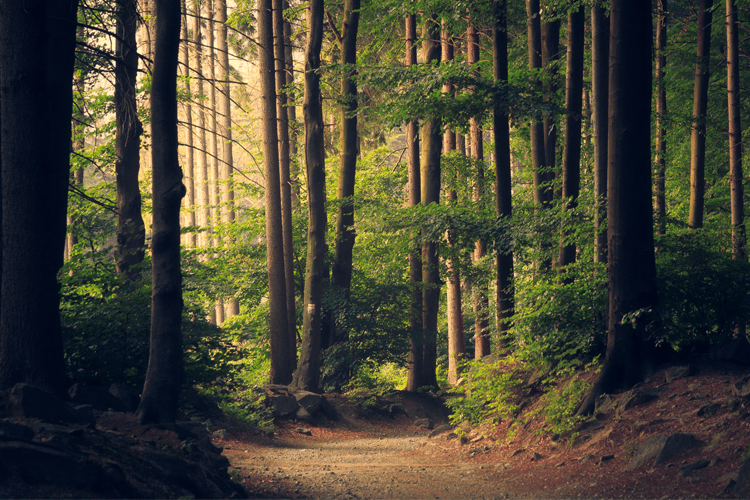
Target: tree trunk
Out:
[341,271]
[430,193]
[631,243]
[202,208]
[735,135]
[189,179]
[282,351]
[416,344]
[600,89]
[37,43]
[79,142]
[292,110]
[481,303]
[550,54]
[571,172]
[660,203]
[307,375]
[537,127]
[504,284]
[164,376]
[700,102]
[456,341]
[284,169]
[225,112]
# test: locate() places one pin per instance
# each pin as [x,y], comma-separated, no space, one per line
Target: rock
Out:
[708,409]
[126,396]
[303,415]
[33,402]
[219,434]
[328,410]
[604,403]
[675,372]
[308,400]
[282,405]
[606,458]
[425,423]
[662,447]
[302,430]
[688,469]
[636,397]
[440,430]
[450,436]
[98,397]
[535,457]
[742,488]
[585,458]
[85,413]
[518,452]
[742,388]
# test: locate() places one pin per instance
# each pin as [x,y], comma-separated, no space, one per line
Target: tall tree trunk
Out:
[631,242]
[307,375]
[660,202]
[164,376]
[430,193]
[202,208]
[79,142]
[456,341]
[504,284]
[571,172]
[282,351]
[600,89]
[700,102]
[739,242]
[284,169]
[292,110]
[189,179]
[37,43]
[416,343]
[550,54]
[481,303]
[131,233]
[538,159]
[341,271]
[225,112]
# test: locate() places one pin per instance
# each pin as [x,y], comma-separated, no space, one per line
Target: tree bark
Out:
[550,54]
[202,208]
[284,169]
[660,203]
[630,218]
[739,236]
[292,110]
[700,103]
[504,284]
[571,171]
[341,271]
[416,344]
[189,180]
[164,375]
[538,159]
[307,376]
[600,89]
[37,42]
[430,193]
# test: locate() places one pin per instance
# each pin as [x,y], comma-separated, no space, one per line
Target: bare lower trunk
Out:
[735,135]
[600,89]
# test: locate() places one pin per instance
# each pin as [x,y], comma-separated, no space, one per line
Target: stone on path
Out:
[662,447]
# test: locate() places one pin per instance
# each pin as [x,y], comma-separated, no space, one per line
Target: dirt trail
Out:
[398,463]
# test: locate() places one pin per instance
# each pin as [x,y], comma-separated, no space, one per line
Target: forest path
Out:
[363,461]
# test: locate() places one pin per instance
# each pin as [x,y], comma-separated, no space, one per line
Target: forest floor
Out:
[362,455]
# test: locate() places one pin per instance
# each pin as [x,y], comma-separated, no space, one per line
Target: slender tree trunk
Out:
[430,193]
[191,238]
[456,341]
[416,343]
[538,159]
[202,208]
[341,271]
[292,109]
[739,242]
[225,126]
[481,303]
[600,89]
[630,218]
[550,54]
[37,43]
[660,203]
[307,375]
[571,172]
[79,142]
[165,364]
[284,169]
[700,102]
[504,285]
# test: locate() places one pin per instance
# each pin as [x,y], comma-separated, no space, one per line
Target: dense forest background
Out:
[379,195]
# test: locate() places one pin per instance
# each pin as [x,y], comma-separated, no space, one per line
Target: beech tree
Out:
[600,90]
[35,108]
[660,202]
[161,390]
[630,219]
